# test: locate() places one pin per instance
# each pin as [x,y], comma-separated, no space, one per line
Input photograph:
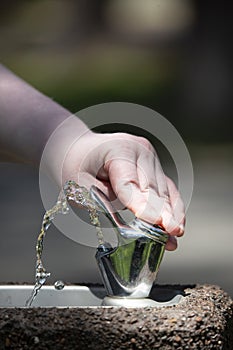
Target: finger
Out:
[171,243]
[173,210]
[140,194]
[150,172]
[146,170]
[161,179]
[168,218]
[158,209]
[177,206]
[123,176]
[124,179]
[149,185]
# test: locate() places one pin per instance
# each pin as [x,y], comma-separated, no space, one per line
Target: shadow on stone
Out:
[166,293]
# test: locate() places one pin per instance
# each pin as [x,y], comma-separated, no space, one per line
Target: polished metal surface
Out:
[49,296]
[74,296]
[140,302]
[129,269]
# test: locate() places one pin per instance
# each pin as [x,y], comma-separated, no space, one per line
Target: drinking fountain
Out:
[128,270]
[129,312]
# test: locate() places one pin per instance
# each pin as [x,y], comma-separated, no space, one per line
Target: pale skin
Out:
[124,166]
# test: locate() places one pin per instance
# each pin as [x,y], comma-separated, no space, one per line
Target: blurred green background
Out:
[171,55]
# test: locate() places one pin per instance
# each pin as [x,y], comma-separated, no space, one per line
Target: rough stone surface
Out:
[202,320]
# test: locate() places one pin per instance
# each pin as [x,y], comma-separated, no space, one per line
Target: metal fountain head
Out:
[129,269]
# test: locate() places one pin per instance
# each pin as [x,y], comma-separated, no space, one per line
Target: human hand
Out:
[127,167]
[123,166]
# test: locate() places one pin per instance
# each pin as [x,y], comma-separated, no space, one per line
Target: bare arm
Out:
[122,165]
[27,119]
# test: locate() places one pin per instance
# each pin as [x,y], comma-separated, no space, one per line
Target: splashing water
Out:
[70,192]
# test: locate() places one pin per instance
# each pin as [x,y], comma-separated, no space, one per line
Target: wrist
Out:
[58,145]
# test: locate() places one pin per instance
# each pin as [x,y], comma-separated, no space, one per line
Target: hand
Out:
[121,165]
[127,167]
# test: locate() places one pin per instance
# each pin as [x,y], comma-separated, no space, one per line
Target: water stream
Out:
[71,192]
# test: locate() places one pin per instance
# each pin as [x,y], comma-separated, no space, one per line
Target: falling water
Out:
[71,192]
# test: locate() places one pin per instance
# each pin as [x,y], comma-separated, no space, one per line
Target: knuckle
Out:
[145,142]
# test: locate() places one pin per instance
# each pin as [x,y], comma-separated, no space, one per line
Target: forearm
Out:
[27,119]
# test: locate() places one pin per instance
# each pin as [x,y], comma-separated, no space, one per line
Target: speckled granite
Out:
[203,320]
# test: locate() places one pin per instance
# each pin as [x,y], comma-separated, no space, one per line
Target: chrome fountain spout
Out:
[130,269]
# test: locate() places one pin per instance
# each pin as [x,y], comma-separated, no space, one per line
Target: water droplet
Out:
[41,277]
[59,285]
[64,209]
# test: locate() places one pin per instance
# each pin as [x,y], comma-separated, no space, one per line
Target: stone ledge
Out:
[202,320]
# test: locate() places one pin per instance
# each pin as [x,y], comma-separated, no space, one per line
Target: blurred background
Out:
[173,56]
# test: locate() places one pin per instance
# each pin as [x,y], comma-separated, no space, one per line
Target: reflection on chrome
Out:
[130,268]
